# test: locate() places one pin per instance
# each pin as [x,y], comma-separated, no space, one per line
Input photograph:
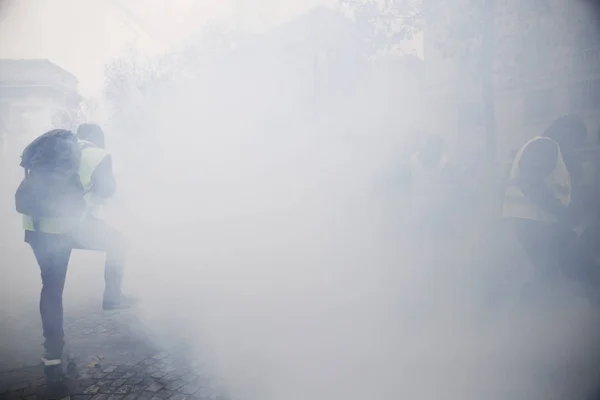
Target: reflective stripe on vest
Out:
[91,157]
[517,205]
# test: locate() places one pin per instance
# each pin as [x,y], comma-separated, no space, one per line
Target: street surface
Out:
[116,354]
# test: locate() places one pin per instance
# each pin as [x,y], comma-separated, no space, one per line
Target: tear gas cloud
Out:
[265,235]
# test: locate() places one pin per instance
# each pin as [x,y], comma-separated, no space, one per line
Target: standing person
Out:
[67,178]
[538,195]
[428,188]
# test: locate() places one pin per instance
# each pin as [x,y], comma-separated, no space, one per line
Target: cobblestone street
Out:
[115,360]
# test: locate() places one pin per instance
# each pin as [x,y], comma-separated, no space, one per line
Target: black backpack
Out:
[51,187]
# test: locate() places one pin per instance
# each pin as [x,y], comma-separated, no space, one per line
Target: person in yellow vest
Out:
[539,191]
[52,241]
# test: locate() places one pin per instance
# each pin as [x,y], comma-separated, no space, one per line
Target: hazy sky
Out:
[82,35]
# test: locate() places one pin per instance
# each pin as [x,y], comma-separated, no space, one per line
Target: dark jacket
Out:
[537,161]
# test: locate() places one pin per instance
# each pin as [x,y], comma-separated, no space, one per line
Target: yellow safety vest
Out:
[91,157]
[517,205]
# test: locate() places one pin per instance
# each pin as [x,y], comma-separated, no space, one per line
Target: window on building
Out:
[585,96]
[470,115]
[540,105]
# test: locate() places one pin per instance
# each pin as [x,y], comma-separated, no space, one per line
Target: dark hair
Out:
[91,133]
[568,130]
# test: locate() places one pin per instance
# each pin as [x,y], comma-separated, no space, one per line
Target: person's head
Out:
[569,131]
[91,133]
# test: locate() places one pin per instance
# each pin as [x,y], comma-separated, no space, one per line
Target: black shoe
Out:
[123,303]
[54,371]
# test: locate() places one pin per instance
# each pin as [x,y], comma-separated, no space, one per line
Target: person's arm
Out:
[538,161]
[104,184]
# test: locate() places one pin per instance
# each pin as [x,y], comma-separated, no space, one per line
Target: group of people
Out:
[545,201]
[541,202]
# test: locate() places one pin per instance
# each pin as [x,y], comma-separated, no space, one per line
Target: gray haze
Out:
[266,235]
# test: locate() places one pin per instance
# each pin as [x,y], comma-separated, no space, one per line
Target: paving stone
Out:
[93,389]
[81,397]
[131,396]
[107,389]
[160,356]
[190,388]
[175,385]
[137,389]
[110,369]
[189,377]
[171,376]
[119,382]
[100,397]
[158,374]
[154,387]
[134,381]
[207,393]
[123,389]
[147,382]
[178,396]
[146,396]
[115,397]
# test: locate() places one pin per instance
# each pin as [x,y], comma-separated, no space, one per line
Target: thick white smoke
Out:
[264,237]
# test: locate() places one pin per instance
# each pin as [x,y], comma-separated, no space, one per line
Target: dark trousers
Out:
[555,252]
[53,253]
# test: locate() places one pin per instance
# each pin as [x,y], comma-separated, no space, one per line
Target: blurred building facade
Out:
[547,63]
[33,94]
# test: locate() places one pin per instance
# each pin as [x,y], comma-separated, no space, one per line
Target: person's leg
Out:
[97,235]
[536,238]
[579,262]
[52,254]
